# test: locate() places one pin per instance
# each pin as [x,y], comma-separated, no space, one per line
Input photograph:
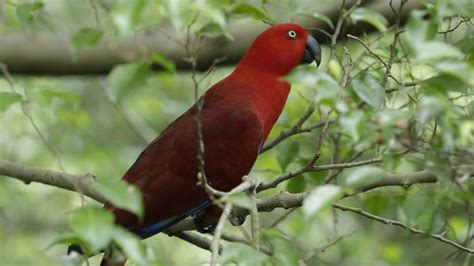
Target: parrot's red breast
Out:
[237,115]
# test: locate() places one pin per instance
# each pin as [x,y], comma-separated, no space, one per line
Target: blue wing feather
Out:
[162,225]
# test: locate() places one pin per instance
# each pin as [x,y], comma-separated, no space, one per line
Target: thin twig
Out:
[402,225]
[311,253]
[218,232]
[314,168]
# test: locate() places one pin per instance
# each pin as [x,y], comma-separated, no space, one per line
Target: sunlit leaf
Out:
[435,50]
[95,226]
[164,62]
[363,175]
[214,30]
[428,108]
[7,99]
[122,195]
[353,123]
[126,15]
[369,90]
[370,16]
[26,12]
[247,9]
[320,198]
[239,199]
[318,16]
[126,77]
[470,107]
[87,37]
[131,245]
[243,255]
[48,96]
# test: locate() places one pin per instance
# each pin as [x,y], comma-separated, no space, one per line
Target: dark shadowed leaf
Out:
[296,185]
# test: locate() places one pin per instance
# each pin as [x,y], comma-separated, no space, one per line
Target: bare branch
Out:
[78,183]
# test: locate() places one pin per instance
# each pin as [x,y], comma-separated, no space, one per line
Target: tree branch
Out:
[84,184]
[48,53]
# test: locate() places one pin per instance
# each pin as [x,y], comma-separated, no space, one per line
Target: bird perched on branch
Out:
[236,117]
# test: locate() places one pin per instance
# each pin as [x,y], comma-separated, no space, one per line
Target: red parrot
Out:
[237,115]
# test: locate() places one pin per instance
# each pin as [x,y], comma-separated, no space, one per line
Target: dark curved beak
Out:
[312,51]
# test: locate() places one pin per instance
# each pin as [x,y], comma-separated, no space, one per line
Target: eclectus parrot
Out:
[237,115]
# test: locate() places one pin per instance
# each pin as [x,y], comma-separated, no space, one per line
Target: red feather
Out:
[237,116]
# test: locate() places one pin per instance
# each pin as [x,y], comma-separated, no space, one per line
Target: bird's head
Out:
[281,48]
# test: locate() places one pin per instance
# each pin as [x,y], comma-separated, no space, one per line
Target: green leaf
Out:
[443,84]
[327,89]
[286,154]
[244,8]
[296,185]
[470,108]
[121,195]
[318,16]
[164,62]
[369,90]
[94,226]
[131,245]
[429,107]
[320,198]
[239,199]
[243,255]
[373,18]
[214,30]
[376,204]
[126,77]
[126,15]
[363,175]
[87,37]
[435,50]
[26,12]
[7,99]
[419,30]
[353,123]
[48,96]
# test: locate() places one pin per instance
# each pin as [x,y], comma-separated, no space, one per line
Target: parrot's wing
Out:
[166,171]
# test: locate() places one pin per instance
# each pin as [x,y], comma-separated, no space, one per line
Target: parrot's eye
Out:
[292,34]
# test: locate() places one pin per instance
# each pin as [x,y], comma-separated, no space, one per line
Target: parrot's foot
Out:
[203,224]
